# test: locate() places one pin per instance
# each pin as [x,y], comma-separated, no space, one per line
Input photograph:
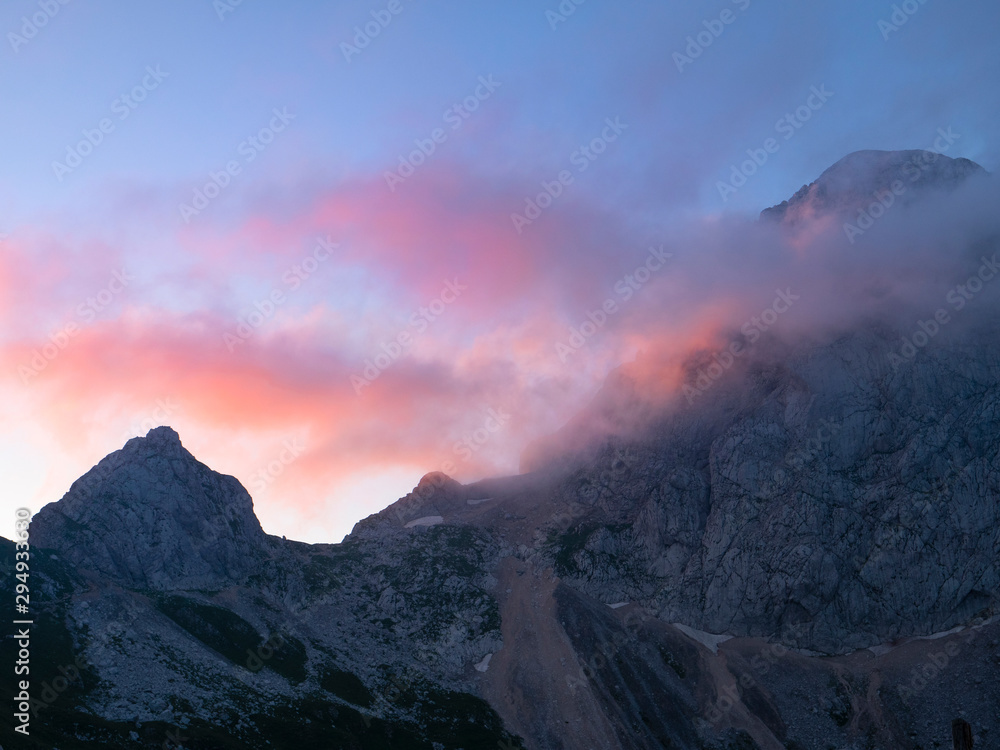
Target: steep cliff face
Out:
[151,516]
[830,491]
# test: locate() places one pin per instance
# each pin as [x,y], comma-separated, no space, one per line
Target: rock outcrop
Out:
[152,516]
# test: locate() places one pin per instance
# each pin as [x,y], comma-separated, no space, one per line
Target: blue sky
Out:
[226,76]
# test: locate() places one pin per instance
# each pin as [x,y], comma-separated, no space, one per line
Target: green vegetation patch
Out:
[345,686]
[231,636]
[223,631]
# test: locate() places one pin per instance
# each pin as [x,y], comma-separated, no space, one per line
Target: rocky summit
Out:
[864,177]
[150,516]
[804,557]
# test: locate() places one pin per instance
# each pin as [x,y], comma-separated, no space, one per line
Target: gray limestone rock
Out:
[152,516]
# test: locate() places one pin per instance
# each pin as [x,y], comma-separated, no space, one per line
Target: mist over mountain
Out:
[778,527]
[862,178]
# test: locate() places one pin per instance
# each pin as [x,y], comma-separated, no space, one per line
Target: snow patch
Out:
[618,605]
[425,521]
[710,641]
[477,502]
[884,648]
[484,664]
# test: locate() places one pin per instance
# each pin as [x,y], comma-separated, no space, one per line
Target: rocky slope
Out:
[805,556]
[797,494]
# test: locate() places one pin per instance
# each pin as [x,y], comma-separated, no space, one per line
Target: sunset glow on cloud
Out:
[328,337]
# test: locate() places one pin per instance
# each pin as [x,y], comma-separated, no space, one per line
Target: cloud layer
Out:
[328,333]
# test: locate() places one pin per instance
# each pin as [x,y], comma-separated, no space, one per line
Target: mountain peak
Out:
[435,480]
[163,435]
[153,516]
[160,441]
[851,183]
